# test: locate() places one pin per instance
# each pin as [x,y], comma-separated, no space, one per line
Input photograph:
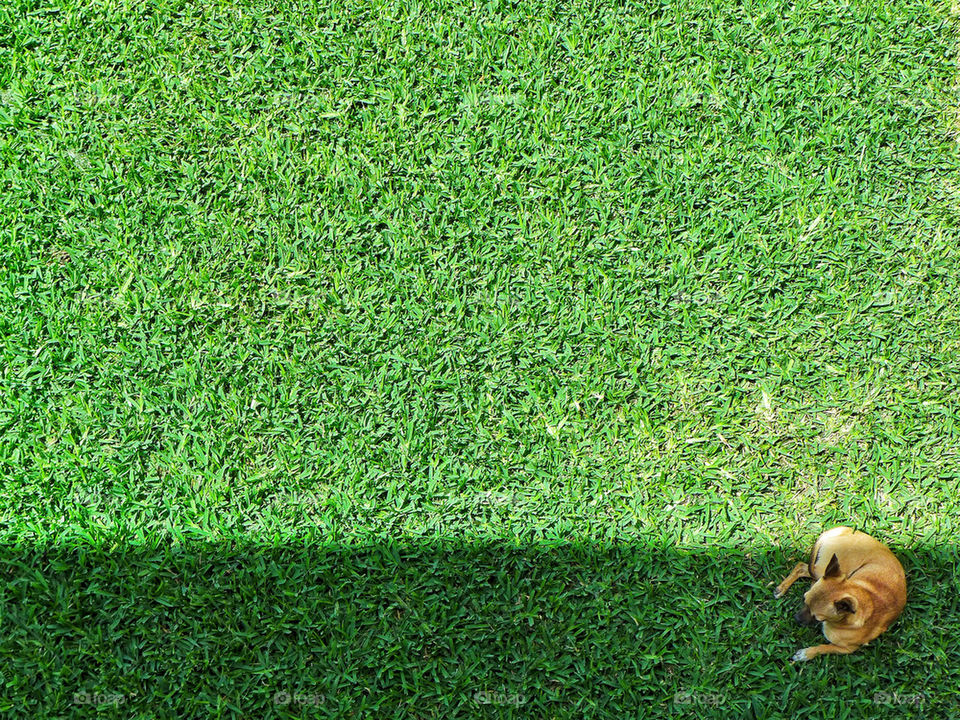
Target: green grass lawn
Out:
[472,359]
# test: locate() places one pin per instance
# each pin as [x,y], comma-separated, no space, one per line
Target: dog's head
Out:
[829,599]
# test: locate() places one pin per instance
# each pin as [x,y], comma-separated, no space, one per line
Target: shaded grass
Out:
[546,273]
[405,629]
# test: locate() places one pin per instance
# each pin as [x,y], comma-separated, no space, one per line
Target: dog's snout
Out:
[806,618]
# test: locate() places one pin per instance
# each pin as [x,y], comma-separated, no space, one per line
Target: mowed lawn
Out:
[460,359]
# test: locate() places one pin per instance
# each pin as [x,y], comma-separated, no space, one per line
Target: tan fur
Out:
[855,596]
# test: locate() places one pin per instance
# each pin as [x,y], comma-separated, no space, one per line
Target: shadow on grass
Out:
[448,629]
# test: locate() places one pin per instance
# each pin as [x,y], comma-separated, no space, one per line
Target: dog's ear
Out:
[845,605]
[833,568]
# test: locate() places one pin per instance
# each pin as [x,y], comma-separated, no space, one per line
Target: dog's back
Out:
[865,561]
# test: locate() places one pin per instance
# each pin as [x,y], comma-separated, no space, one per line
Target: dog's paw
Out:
[777,593]
[800,656]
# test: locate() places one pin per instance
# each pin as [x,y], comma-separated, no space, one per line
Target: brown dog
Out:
[859,589]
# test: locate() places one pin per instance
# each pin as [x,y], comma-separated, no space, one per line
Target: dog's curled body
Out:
[859,589]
